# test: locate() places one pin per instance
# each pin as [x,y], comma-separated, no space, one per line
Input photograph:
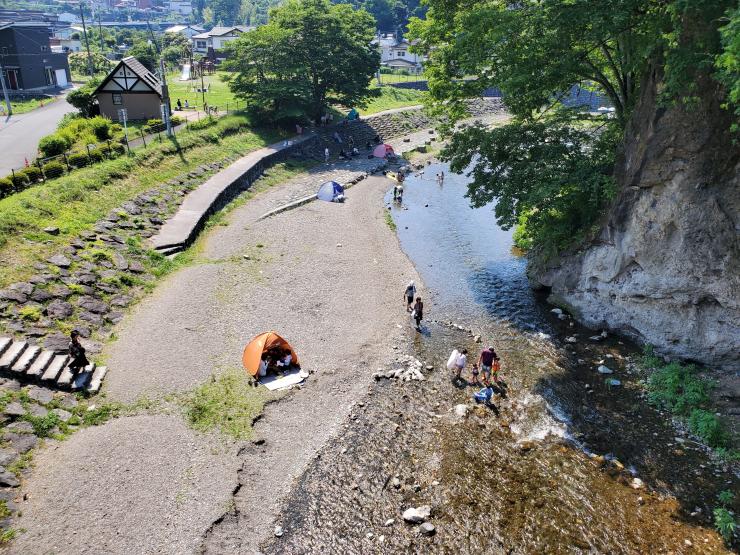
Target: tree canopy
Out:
[311,53]
[550,170]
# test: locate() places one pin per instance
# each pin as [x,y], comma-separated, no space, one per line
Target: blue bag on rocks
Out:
[484,395]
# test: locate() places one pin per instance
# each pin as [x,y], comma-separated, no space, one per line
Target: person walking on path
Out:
[409,295]
[418,313]
[326,154]
[76,353]
[487,360]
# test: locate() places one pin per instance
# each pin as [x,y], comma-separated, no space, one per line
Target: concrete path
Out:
[20,135]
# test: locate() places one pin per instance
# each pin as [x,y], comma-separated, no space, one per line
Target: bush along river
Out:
[568,459]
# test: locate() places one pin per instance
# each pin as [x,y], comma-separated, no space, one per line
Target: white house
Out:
[217,37]
[181,7]
[395,54]
[187,30]
[67,39]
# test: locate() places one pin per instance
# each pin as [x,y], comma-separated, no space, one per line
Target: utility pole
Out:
[165,98]
[202,84]
[166,110]
[100,32]
[5,90]
[87,43]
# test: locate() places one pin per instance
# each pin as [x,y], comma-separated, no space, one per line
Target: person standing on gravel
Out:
[409,295]
[487,359]
[418,313]
[76,353]
[326,154]
[460,362]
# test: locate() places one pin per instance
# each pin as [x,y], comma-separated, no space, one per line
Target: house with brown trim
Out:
[131,86]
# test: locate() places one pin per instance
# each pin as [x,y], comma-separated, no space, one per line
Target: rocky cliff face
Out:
[665,267]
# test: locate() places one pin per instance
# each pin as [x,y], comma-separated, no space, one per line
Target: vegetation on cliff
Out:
[552,166]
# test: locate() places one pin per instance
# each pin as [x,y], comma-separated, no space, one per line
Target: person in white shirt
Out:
[326,155]
[462,360]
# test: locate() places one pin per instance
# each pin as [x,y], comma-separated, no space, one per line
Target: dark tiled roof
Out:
[143,73]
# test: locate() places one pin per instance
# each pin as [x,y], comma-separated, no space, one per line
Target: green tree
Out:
[78,63]
[535,51]
[146,53]
[83,98]
[225,12]
[310,54]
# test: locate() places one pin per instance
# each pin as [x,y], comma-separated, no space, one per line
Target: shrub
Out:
[67,120]
[153,122]
[177,120]
[118,148]
[6,187]
[724,523]
[32,173]
[54,144]
[19,180]
[53,169]
[678,387]
[97,155]
[101,127]
[78,159]
[708,427]
[30,313]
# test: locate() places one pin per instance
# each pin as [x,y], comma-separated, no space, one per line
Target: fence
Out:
[52,167]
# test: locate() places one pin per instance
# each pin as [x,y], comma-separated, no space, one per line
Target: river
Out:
[564,461]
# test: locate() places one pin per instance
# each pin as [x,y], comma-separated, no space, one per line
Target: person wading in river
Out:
[487,360]
[409,295]
[418,312]
[76,353]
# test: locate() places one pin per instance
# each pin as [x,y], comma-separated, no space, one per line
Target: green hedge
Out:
[53,169]
[32,173]
[78,159]
[6,187]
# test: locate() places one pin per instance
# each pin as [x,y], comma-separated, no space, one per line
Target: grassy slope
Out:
[391,97]
[75,202]
[23,106]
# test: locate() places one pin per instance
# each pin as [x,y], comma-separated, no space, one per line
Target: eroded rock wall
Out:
[665,267]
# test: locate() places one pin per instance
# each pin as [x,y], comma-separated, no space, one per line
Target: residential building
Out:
[67,39]
[188,30]
[396,54]
[180,7]
[131,86]
[29,64]
[217,38]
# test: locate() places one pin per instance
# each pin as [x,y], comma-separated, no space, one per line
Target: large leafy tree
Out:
[535,51]
[310,54]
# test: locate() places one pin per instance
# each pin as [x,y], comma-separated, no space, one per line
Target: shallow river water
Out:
[563,462]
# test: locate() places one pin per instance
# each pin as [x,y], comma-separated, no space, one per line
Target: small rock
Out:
[427,529]
[37,410]
[62,414]
[14,409]
[396,483]
[369,535]
[7,456]
[60,260]
[416,515]
[278,531]
[339,244]
[557,311]
[20,427]
[640,500]
[11,295]
[120,262]
[51,230]
[604,370]
[59,310]
[390,522]
[687,543]
[41,395]
[8,478]
[136,267]
[461,410]
[613,382]
[21,443]
[477,339]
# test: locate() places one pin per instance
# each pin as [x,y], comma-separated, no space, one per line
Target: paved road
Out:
[19,135]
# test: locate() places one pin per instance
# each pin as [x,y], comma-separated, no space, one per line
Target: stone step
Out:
[97,379]
[83,378]
[40,364]
[65,380]
[55,368]
[26,359]
[12,354]
[5,342]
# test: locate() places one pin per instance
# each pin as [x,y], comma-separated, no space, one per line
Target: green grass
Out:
[387,78]
[218,95]
[227,403]
[681,389]
[390,98]
[27,105]
[389,221]
[76,201]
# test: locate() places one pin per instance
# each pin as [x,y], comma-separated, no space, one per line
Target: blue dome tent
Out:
[331,191]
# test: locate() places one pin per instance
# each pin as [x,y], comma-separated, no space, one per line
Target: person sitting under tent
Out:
[331,191]
[353,115]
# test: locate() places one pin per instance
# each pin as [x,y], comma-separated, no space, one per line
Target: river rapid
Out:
[563,461]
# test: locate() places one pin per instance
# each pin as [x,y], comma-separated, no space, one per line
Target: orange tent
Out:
[264,342]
